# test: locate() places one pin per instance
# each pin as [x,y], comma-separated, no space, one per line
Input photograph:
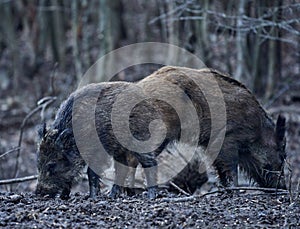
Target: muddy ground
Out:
[237,210]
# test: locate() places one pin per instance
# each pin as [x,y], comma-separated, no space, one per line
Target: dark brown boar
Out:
[59,160]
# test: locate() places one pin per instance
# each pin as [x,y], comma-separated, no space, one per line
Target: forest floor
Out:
[238,210]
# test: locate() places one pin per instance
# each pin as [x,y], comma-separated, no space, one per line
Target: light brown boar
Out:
[252,140]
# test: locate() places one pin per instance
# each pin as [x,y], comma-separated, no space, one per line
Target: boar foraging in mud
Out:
[59,162]
[252,141]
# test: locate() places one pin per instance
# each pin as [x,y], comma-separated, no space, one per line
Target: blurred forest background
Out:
[46,46]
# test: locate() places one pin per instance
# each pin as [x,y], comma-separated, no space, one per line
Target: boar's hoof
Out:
[65,194]
[115,191]
[130,191]
[152,192]
[94,191]
[93,194]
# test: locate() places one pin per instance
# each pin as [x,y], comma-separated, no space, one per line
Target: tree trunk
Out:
[109,26]
[11,40]
[77,61]
[258,50]
[43,32]
[173,33]
[57,33]
[274,55]
[240,38]
[202,35]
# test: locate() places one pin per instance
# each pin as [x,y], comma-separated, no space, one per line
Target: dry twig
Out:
[257,189]
[192,198]
[41,106]
[179,189]
[52,78]
[18,180]
[10,151]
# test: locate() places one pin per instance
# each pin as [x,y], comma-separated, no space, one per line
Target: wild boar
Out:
[59,160]
[251,141]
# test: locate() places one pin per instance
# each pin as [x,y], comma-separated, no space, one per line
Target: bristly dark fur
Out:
[42,130]
[227,78]
[59,161]
[250,141]
[280,128]
[63,117]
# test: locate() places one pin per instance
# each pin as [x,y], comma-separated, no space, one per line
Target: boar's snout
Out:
[282,185]
[274,178]
[45,190]
[278,183]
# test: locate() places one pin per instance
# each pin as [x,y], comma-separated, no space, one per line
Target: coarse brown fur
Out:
[252,140]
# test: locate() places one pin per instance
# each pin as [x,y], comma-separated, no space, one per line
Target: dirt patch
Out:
[238,210]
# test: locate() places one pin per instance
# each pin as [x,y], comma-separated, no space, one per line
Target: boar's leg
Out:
[133,163]
[151,173]
[234,173]
[65,194]
[93,183]
[226,165]
[149,164]
[196,181]
[131,178]
[121,171]
[227,174]
[115,191]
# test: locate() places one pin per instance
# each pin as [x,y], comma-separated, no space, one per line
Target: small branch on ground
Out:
[178,199]
[179,189]
[18,180]
[257,189]
[191,198]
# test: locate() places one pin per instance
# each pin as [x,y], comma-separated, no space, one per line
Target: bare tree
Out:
[240,41]
[252,30]
[75,27]
[109,27]
[8,28]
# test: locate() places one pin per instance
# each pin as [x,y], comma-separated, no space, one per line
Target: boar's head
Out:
[273,169]
[59,162]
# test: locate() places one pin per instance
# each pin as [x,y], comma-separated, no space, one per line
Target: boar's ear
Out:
[280,130]
[64,139]
[42,129]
